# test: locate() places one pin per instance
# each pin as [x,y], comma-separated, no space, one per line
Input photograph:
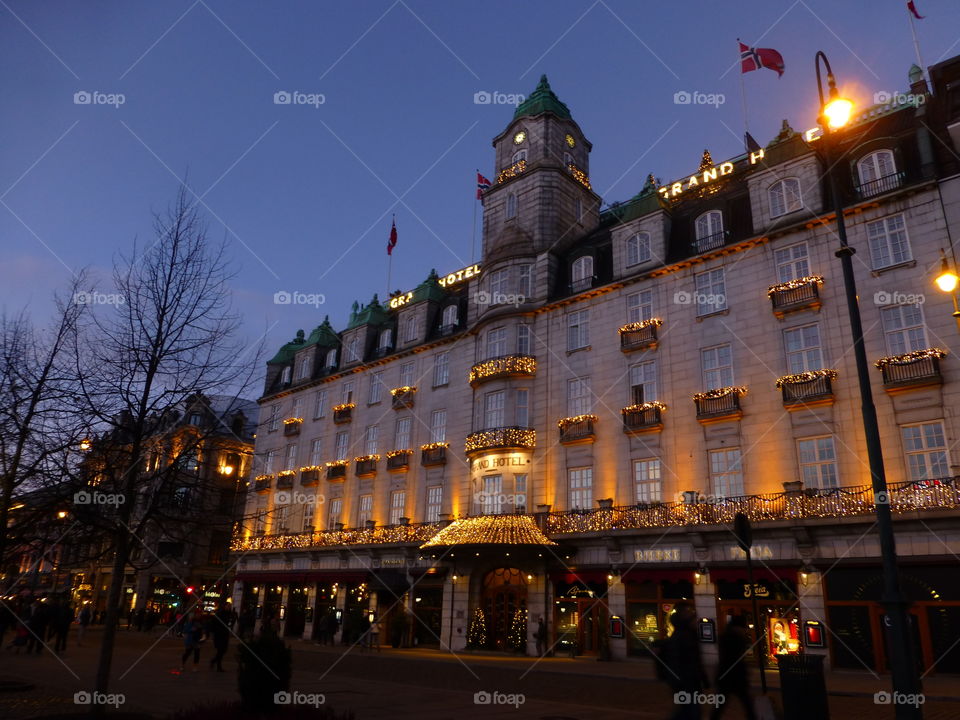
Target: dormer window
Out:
[519,156]
[386,339]
[331,361]
[304,366]
[785,197]
[709,230]
[878,173]
[411,329]
[638,249]
[511,205]
[449,316]
[353,351]
[581,273]
[285,376]
[196,419]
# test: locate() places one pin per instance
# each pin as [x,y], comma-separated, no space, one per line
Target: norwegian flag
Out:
[482,185]
[756,58]
[913,9]
[392,242]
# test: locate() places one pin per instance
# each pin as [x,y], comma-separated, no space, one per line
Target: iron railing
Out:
[796,298]
[881,185]
[710,242]
[921,371]
[580,430]
[638,339]
[819,388]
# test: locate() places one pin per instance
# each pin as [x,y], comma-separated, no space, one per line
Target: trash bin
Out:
[803,687]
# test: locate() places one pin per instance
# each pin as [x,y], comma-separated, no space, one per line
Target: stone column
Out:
[811,604]
[617,605]
[310,610]
[284,599]
[456,616]
[536,608]
[705,601]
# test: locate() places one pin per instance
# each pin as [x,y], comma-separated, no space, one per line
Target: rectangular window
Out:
[711,292]
[643,382]
[364,510]
[580,484]
[370,438]
[493,409]
[438,426]
[407,378]
[434,503]
[308,508]
[376,387]
[496,342]
[334,510]
[638,249]
[270,462]
[398,501]
[888,242]
[903,328]
[717,364]
[523,339]
[579,399]
[498,285]
[520,493]
[346,392]
[793,262]
[926,449]
[304,366]
[297,411]
[802,345]
[649,484]
[281,518]
[401,436]
[316,448]
[523,407]
[343,444]
[274,418]
[818,462]
[353,349]
[640,306]
[525,281]
[578,329]
[441,369]
[260,518]
[320,403]
[726,473]
[290,462]
[411,328]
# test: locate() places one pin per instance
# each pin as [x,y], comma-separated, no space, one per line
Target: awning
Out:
[583,576]
[739,574]
[499,530]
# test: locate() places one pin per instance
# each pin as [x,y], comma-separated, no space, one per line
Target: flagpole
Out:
[916,43]
[390,262]
[473,237]
[743,95]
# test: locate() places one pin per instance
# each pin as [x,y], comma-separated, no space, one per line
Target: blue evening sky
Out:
[304,194]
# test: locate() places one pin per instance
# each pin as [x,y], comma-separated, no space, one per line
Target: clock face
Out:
[519,137]
[571,141]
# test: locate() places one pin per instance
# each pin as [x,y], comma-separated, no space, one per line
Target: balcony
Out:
[403,397]
[343,413]
[795,295]
[434,454]
[912,370]
[511,171]
[639,335]
[576,430]
[582,285]
[398,460]
[501,438]
[505,366]
[383,351]
[880,185]
[644,418]
[807,389]
[337,471]
[580,176]
[366,465]
[262,483]
[291,426]
[719,405]
[310,475]
[710,242]
[285,479]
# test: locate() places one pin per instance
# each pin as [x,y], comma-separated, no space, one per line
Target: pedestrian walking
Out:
[375,634]
[62,621]
[541,637]
[192,637]
[680,664]
[37,622]
[83,622]
[732,671]
[220,631]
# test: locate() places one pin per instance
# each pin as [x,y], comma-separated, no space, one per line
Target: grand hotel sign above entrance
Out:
[703,178]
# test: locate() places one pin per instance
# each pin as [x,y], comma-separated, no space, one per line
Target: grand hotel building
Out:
[567,429]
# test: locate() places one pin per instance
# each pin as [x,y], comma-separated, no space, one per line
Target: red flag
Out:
[392,242]
[482,185]
[913,8]
[756,58]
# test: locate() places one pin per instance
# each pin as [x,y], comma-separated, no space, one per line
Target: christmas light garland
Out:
[794,284]
[337,463]
[344,406]
[366,458]
[580,176]
[286,473]
[403,390]
[490,530]
[652,405]
[512,171]
[805,377]
[501,437]
[309,468]
[740,390]
[911,357]
[398,453]
[566,422]
[506,365]
[643,324]
[292,421]
[435,445]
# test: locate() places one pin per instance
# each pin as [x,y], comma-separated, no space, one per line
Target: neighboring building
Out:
[567,429]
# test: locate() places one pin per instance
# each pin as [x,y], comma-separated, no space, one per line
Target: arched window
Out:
[449,316]
[386,339]
[708,224]
[638,249]
[410,328]
[581,273]
[331,358]
[285,377]
[511,205]
[785,197]
[877,172]
[354,351]
[519,155]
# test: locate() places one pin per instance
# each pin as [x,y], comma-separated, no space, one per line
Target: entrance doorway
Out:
[580,618]
[504,604]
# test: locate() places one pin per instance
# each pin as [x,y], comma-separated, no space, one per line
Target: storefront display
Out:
[774,592]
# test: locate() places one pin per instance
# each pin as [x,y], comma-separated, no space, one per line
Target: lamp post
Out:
[947,282]
[834,114]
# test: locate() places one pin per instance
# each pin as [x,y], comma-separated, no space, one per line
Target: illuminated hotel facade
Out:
[566,429]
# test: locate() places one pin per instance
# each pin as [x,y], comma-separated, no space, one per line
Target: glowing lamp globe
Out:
[947,280]
[837,112]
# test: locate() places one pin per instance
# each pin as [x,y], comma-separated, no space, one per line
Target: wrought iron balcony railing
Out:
[310,476]
[285,480]
[336,471]
[795,295]
[433,454]
[502,367]
[501,438]
[644,418]
[880,185]
[710,242]
[639,335]
[416,533]
[912,370]
[577,429]
[398,460]
[343,413]
[719,404]
[807,388]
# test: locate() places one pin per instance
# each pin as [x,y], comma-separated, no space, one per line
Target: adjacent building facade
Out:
[566,429]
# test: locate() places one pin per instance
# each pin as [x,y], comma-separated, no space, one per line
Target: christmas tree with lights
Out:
[477,632]
[517,637]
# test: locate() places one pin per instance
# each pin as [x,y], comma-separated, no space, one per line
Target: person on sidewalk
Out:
[37,622]
[220,631]
[541,637]
[83,622]
[683,665]
[732,675]
[192,637]
[375,634]
[62,621]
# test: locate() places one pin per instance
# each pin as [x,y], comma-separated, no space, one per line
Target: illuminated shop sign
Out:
[496,462]
[654,555]
[447,281]
[706,177]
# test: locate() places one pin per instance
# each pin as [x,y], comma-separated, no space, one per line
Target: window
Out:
[708,225]
[643,382]
[376,387]
[493,409]
[496,342]
[285,377]
[511,206]
[401,435]
[717,364]
[498,285]
[793,262]
[523,339]
[638,249]
[319,403]
[407,374]
[398,501]
[304,366]
[523,407]
[580,484]
[818,462]
[342,445]
[385,341]
[711,292]
[196,419]
[520,493]
[364,510]
[290,461]
[646,476]
[926,451]
[578,208]
[519,155]
[270,462]
[297,407]
[567,159]
[449,316]
[579,399]
[316,449]
[726,473]
[332,358]
[784,197]
[640,306]
[525,280]
[274,418]
[438,426]
[904,329]
[434,503]
[370,438]
[281,518]
[346,391]
[581,272]
[888,242]
[260,518]
[802,345]
[411,328]
[441,369]
[307,524]
[353,351]
[578,329]
[491,495]
[876,166]
[334,510]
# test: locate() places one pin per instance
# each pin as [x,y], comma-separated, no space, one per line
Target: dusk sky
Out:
[304,194]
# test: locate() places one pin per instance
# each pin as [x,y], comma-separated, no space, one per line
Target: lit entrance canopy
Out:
[517,530]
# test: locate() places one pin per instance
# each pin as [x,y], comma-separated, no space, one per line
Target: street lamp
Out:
[947,281]
[834,114]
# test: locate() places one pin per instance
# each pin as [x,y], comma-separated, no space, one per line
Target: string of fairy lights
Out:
[505,365]
[511,171]
[738,390]
[501,438]
[643,407]
[795,284]
[805,377]
[403,390]
[580,176]
[912,357]
[641,325]
[564,423]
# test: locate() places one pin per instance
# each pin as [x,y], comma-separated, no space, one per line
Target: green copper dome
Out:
[542,100]
[286,353]
[324,334]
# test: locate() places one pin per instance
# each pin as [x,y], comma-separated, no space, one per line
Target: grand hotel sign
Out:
[703,178]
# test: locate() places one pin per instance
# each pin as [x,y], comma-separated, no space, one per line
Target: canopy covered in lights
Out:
[490,530]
